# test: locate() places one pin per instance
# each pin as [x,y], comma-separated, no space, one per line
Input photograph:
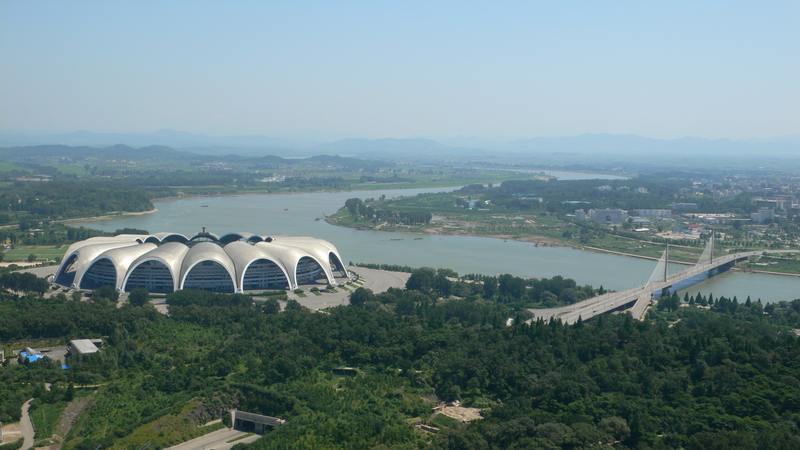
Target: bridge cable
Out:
[707,256]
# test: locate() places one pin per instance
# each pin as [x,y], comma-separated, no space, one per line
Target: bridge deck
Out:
[640,296]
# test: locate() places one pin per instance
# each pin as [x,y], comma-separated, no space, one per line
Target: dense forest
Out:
[29,203]
[362,211]
[644,192]
[720,377]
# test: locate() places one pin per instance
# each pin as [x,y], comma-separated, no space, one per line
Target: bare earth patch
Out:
[70,415]
[11,433]
[461,413]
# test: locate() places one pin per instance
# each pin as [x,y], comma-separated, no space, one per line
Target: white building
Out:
[653,213]
[83,347]
[167,262]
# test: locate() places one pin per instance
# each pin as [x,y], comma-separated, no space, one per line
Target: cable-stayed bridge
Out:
[637,300]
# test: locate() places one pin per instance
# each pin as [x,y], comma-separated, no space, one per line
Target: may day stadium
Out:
[167,262]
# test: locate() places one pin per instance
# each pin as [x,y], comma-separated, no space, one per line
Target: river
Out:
[302,213]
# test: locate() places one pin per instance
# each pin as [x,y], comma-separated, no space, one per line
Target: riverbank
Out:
[765,272]
[538,240]
[108,216]
[447,183]
[118,214]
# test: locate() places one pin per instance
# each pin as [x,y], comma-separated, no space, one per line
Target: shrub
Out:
[139,297]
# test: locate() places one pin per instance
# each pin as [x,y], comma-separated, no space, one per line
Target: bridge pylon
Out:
[707,257]
[661,270]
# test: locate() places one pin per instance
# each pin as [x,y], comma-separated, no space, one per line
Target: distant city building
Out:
[712,217]
[274,179]
[653,213]
[603,216]
[34,178]
[167,262]
[763,215]
[775,202]
[528,198]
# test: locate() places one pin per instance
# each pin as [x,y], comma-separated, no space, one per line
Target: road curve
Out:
[26,426]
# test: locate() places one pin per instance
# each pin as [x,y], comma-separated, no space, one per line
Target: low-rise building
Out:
[763,215]
[29,355]
[254,423]
[82,347]
[653,213]
[712,217]
[608,216]
[603,216]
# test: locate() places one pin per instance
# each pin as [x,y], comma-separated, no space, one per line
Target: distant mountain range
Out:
[564,148]
[197,143]
[50,154]
[119,151]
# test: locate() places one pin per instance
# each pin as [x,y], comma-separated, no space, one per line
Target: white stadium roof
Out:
[235,262]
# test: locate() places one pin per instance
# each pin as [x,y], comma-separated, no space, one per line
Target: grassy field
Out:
[650,249]
[780,264]
[44,417]
[9,167]
[513,225]
[42,252]
[168,430]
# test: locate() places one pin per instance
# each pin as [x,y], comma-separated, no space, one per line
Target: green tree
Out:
[421,279]
[271,306]
[294,305]
[489,287]
[617,427]
[138,297]
[108,293]
[361,296]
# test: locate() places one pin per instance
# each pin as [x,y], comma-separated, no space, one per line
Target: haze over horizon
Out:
[442,71]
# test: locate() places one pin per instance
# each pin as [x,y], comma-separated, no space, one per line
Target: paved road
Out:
[381,280]
[26,426]
[42,271]
[376,280]
[217,440]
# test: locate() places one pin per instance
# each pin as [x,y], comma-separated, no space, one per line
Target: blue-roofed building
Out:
[29,355]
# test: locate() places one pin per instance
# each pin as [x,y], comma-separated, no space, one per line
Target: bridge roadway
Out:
[637,299]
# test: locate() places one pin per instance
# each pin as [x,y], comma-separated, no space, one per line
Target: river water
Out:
[302,214]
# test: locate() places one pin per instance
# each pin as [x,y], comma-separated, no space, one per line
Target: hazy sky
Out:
[433,68]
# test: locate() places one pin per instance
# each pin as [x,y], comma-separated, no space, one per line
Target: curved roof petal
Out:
[170,254]
[87,254]
[207,251]
[243,254]
[318,254]
[121,258]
